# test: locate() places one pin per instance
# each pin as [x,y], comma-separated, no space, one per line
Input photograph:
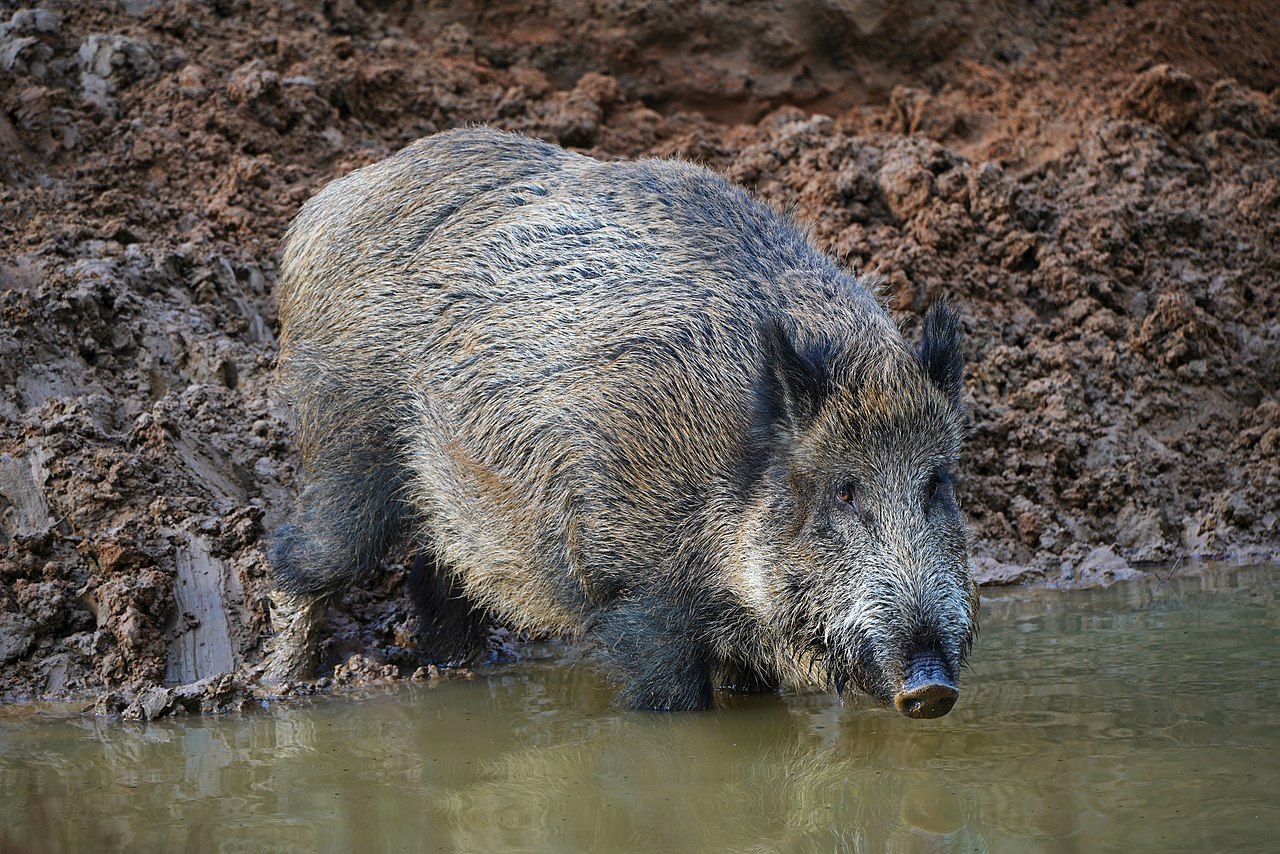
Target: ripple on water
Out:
[1137,718]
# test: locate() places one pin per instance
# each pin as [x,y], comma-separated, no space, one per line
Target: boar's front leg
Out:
[349,514]
[656,654]
[454,629]
[747,678]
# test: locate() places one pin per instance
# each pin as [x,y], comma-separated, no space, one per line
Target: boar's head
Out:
[861,569]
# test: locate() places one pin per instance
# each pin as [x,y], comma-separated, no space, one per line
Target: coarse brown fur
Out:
[627,401]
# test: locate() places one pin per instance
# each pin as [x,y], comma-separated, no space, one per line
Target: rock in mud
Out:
[16,637]
[24,509]
[110,63]
[1165,96]
[906,184]
[30,42]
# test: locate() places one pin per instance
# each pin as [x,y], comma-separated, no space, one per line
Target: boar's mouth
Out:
[862,670]
[925,690]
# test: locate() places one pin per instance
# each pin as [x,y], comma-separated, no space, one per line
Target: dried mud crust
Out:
[1097,186]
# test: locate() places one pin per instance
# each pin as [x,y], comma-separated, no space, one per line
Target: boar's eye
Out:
[847,496]
[939,489]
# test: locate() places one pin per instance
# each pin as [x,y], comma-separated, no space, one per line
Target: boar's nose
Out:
[927,692]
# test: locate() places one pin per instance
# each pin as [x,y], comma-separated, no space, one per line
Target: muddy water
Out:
[1143,717]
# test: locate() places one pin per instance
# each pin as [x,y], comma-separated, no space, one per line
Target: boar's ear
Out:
[939,351]
[797,381]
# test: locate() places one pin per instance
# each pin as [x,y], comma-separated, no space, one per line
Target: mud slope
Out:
[1096,185]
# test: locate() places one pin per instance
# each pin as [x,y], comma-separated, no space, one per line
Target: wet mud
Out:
[1095,185]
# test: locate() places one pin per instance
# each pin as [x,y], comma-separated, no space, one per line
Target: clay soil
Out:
[1095,185]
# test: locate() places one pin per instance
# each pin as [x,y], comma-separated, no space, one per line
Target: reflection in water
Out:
[754,779]
[1138,717]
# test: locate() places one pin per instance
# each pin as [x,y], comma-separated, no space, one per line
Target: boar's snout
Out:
[927,691]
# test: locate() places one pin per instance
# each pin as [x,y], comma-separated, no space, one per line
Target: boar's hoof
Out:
[291,651]
[928,693]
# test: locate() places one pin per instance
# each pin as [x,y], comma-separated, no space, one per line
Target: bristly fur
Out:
[622,400]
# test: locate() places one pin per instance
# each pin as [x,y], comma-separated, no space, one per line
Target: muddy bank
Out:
[1095,185]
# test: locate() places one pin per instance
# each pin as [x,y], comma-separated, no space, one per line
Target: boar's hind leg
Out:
[661,662]
[454,629]
[350,513]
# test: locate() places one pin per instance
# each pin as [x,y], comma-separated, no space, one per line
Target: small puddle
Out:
[1142,717]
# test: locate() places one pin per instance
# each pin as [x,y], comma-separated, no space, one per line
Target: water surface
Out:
[1139,718]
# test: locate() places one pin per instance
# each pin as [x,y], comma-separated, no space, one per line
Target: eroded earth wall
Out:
[1095,185]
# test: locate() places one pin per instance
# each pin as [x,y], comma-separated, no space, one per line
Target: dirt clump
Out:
[1095,185]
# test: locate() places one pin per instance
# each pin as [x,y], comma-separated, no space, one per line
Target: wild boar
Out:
[627,402]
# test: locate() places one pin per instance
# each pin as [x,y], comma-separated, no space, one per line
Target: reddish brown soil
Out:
[1096,185]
